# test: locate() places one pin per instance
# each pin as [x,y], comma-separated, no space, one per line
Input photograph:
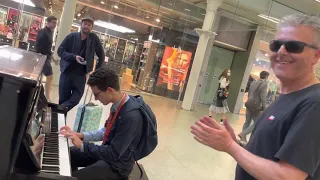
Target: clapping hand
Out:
[210,133]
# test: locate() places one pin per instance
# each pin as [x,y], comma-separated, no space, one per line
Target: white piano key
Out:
[61,121]
[65,168]
[64,159]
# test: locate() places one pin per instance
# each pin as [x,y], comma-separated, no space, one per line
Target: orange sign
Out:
[174,68]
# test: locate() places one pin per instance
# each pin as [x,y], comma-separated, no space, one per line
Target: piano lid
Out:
[20,63]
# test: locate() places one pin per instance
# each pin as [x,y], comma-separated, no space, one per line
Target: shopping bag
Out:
[88,116]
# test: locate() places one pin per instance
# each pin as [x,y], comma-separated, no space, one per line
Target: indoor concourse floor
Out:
[178,156]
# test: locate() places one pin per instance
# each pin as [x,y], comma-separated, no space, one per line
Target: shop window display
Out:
[111,46]
[12,22]
[24,27]
[174,68]
[35,27]
[3,19]
[129,55]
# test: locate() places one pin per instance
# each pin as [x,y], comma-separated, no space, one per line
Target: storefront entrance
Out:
[220,59]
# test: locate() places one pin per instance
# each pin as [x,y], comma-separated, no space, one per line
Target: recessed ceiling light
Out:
[74,19]
[158,20]
[102,2]
[116,6]
[272,19]
[25,2]
[78,14]
[147,17]
[114,27]
[187,9]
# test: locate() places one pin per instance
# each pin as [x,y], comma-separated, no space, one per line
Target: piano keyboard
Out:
[55,155]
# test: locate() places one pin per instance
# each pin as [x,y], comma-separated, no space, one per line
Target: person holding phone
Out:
[77,60]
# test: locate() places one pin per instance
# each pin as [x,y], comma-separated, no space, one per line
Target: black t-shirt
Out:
[289,130]
[76,68]
[83,48]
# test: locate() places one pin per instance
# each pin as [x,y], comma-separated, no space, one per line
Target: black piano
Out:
[26,115]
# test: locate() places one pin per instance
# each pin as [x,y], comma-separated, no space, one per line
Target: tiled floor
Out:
[178,156]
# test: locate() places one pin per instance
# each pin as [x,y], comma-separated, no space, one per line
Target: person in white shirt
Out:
[220,105]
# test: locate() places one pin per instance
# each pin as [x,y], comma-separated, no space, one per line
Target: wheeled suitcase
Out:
[88,116]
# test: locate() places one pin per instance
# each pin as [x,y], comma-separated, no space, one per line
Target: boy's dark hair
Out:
[104,78]
[51,18]
[264,74]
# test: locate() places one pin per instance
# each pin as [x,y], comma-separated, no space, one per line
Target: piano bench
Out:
[135,174]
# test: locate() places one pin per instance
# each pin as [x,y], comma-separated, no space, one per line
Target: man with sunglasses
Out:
[285,143]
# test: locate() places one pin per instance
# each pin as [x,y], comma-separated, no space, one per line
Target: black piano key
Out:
[51,150]
[50,168]
[51,172]
[54,122]
[50,161]
[50,144]
[50,155]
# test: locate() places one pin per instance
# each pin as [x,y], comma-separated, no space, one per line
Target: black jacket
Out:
[44,42]
[125,134]
[71,46]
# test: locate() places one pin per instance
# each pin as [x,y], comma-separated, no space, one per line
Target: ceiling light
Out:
[272,19]
[102,2]
[187,9]
[79,14]
[74,19]
[25,2]
[158,20]
[156,41]
[113,27]
[147,17]
[116,6]
[317,1]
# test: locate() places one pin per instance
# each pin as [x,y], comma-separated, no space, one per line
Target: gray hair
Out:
[305,20]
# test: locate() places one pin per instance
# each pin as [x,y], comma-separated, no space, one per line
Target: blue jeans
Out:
[71,88]
[248,127]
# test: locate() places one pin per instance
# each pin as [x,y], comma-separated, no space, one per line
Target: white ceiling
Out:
[250,9]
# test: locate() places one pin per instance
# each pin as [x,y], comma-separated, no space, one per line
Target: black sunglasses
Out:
[291,46]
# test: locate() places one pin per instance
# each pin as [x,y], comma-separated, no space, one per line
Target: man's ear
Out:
[110,90]
[317,57]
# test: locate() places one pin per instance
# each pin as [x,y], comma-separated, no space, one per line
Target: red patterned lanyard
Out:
[112,119]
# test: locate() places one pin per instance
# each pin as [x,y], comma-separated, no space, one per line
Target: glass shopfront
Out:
[19,24]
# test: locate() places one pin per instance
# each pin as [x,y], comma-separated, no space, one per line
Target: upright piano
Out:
[25,116]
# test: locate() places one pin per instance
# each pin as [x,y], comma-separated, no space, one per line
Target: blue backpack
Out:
[149,137]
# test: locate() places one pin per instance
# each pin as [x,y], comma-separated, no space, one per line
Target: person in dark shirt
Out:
[285,142]
[44,45]
[113,159]
[77,60]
